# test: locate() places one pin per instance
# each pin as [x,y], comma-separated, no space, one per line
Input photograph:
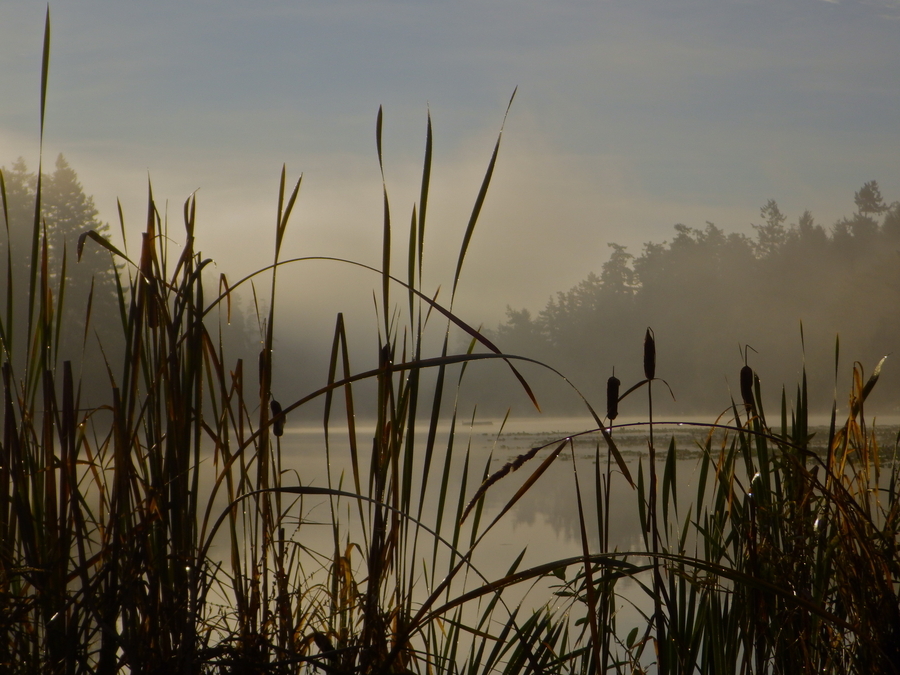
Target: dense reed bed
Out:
[161,531]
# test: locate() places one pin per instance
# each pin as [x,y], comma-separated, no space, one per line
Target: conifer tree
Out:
[66,212]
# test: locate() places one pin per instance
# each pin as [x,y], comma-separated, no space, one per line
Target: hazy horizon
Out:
[629,118]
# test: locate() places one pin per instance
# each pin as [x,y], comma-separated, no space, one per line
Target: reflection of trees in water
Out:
[552,500]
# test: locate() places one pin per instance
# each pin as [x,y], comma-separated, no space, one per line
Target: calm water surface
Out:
[544,522]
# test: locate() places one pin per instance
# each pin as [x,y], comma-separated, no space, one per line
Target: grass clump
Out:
[110,513]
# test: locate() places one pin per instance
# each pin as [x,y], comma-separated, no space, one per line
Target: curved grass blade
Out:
[867,388]
[105,243]
[6,330]
[432,303]
[423,195]
[386,230]
[479,202]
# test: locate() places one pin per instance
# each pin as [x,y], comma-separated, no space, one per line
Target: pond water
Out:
[544,522]
[546,518]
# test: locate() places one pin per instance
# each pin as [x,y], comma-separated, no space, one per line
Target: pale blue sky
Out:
[631,116]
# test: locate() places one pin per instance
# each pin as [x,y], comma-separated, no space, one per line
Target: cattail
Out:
[649,355]
[385,356]
[323,643]
[277,418]
[747,386]
[612,398]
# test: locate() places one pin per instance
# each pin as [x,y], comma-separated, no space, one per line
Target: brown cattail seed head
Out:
[747,386]
[612,398]
[385,356]
[649,355]
[278,421]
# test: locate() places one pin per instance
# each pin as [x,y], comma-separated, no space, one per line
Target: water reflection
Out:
[547,516]
[545,521]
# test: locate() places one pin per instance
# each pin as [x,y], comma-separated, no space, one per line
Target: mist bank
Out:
[795,295]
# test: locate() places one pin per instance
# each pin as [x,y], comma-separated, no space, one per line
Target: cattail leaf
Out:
[280,219]
[5,201]
[642,501]
[36,224]
[386,228]
[864,390]
[622,569]
[513,466]
[669,483]
[122,224]
[479,202]
[45,68]
[379,120]
[290,206]
[837,356]
[6,328]
[60,301]
[102,241]
[423,195]
[35,247]
[190,213]
[757,396]
[284,212]
[226,293]
[411,264]
[873,379]
[611,446]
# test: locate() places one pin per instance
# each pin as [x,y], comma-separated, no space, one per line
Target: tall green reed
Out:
[784,561]
[109,514]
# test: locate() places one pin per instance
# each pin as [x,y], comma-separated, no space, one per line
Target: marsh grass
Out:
[163,531]
[784,560]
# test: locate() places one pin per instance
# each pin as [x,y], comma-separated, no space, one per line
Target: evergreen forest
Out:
[793,293]
[81,275]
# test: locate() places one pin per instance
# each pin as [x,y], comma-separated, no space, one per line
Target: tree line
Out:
[709,294]
[82,292]
[84,284]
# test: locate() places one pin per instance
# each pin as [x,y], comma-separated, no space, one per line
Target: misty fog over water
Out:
[660,129]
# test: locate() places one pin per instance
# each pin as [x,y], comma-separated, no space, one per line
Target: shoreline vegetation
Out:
[783,560]
[706,291]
